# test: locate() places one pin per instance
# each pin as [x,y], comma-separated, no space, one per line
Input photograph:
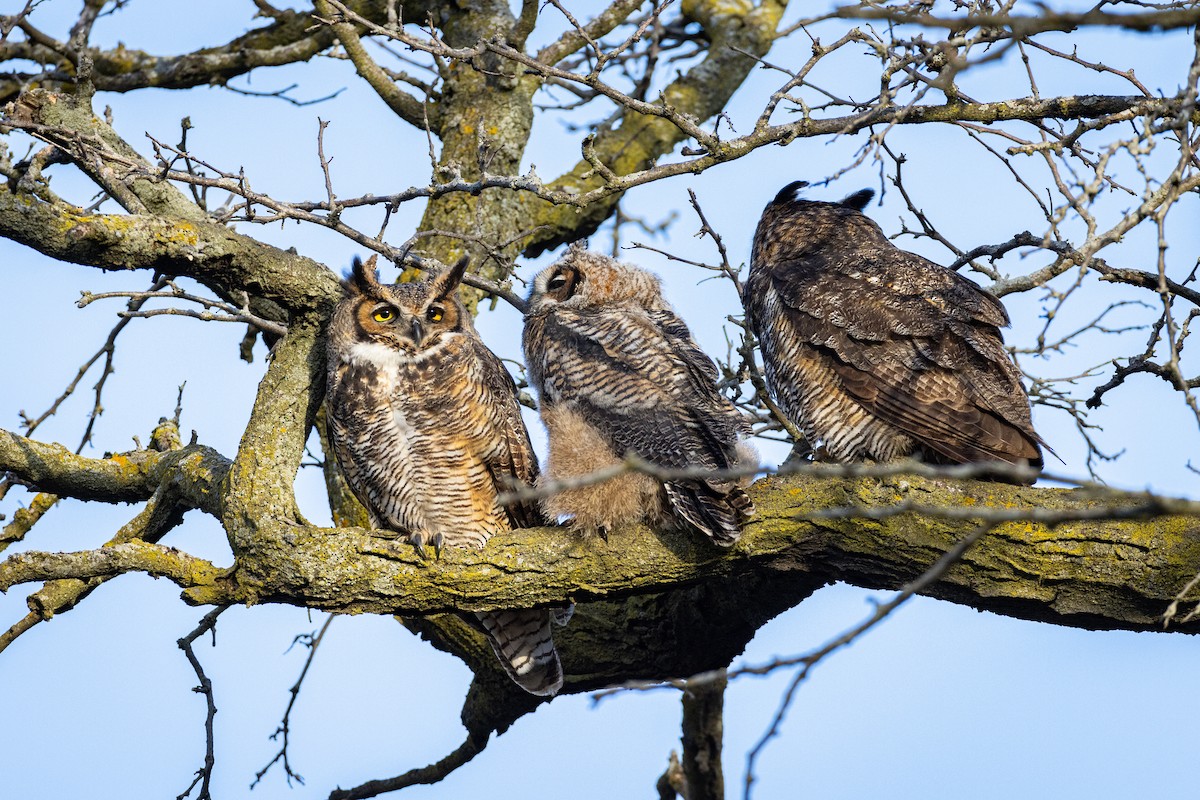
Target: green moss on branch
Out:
[211,253]
[107,562]
[194,472]
[1115,574]
[639,140]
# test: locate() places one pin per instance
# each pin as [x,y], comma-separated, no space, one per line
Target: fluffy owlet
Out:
[875,352]
[426,427]
[618,372]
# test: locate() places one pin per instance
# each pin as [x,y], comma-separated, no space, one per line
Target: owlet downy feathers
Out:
[618,372]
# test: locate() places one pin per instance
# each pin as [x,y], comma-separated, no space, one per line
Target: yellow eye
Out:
[384,314]
[434,314]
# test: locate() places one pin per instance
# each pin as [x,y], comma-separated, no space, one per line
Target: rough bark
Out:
[703,731]
[1090,573]
[289,38]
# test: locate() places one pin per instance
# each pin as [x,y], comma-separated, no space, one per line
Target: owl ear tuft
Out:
[789,193]
[363,277]
[448,280]
[858,201]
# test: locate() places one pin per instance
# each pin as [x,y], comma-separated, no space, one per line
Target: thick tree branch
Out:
[66,121]
[595,193]
[638,141]
[291,38]
[1158,19]
[213,254]
[25,518]
[195,472]
[185,241]
[260,506]
[402,104]
[703,730]
[107,562]
[1073,569]
[183,482]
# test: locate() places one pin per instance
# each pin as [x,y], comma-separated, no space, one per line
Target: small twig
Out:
[1172,609]
[203,775]
[22,625]
[471,747]
[312,642]
[229,312]
[107,351]
[707,229]
[282,94]
[335,210]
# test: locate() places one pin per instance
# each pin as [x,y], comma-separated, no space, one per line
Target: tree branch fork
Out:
[1072,557]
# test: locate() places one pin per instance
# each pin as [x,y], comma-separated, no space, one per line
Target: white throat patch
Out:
[380,356]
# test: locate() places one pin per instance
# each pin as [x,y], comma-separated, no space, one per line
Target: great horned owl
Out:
[618,372]
[875,352]
[426,427]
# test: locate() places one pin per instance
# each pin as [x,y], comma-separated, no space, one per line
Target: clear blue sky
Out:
[939,702]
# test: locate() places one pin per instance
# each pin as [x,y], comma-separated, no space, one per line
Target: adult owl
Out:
[427,429]
[618,372]
[875,352]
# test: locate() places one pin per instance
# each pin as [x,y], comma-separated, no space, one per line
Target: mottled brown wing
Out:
[514,462]
[349,398]
[916,344]
[646,386]
[701,370]
[628,375]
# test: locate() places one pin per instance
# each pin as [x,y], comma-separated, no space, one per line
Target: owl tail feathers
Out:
[716,509]
[522,641]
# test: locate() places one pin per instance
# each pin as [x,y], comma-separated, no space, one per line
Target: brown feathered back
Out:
[878,353]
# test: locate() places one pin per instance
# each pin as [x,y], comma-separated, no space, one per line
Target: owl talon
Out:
[437,542]
[417,540]
[603,531]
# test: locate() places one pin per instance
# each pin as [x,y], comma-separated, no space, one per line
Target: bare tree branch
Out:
[312,642]
[204,774]
[289,39]
[136,556]
[404,105]
[432,773]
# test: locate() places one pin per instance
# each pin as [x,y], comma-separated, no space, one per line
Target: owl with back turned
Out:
[427,429]
[618,372]
[877,353]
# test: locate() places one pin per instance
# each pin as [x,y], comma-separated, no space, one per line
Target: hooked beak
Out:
[418,330]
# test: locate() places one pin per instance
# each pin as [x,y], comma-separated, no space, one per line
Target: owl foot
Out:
[436,541]
[590,530]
